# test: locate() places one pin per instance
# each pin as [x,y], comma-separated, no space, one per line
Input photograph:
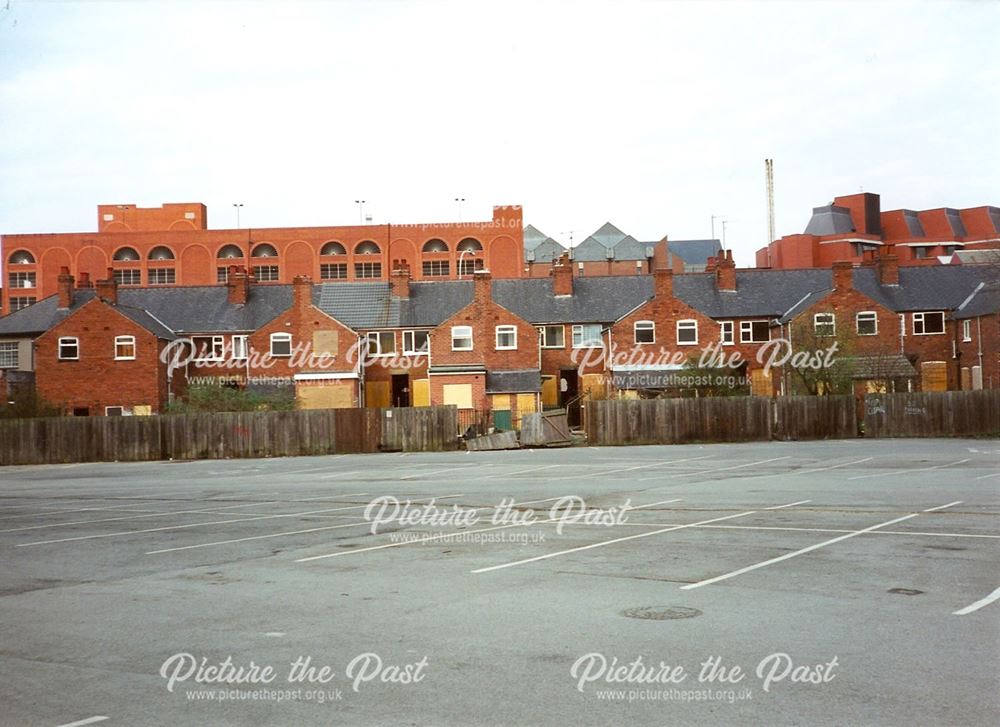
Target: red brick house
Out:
[976,327]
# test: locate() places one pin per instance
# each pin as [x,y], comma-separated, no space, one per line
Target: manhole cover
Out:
[905,591]
[661,613]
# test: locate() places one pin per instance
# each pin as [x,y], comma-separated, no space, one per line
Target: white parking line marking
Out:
[340,474]
[522,472]
[606,542]
[978,604]
[906,472]
[76,509]
[196,525]
[807,549]
[942,507]
[719,469]
[349,494]
[983,477]
[630,469]
[813,530]
[89,720]
[791,504]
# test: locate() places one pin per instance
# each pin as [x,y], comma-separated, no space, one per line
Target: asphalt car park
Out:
[841,582]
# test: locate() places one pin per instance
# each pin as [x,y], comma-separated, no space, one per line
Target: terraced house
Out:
[502,344]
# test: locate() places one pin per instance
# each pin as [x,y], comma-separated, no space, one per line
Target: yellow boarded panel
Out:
[760,383]
[934,376]
[594,384]
[325,341]
[550,391]
[500,402]
[421,392]
[526,404]
[142,410]
[459,395]
[334,395]
[378,394]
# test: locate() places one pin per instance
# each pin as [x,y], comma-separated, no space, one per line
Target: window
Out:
[126,255]
[124,348]
[222,275]
[687,332]
[948,250]
[919,253]
[265,273]
[435,245]
[20,302]
[469,265]
[69,349]
[755,331]
[281,344]
[8,354]
[132,276]
[506,338]
[114,411]
[416,342]
[162,276]
[926,324]
[645,332]
[824,324]
[240,347]
[333,271]
[469,244]
[22,280]
[867,323]
[21,257]
[367,248]
[229,252]
[552,336]
[587,335]
[967,329]
[161,253]
[208,348]
[726,333]
[381,343]
[436,268]
[367,270]
[333,248]
[264,250]
[461,338]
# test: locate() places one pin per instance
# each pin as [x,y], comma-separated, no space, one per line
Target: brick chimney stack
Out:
[400,282]
[237,285]
[562,275]
[725,272]
[888,269]
[107,289]
[483,282]
[843,272]
[65,283]
[711,263]
[84,283]
[663,283]
[302,292]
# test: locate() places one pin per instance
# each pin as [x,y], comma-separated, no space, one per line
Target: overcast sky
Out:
[653,116]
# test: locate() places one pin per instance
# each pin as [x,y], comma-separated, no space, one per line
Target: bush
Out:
[28,404]
[224,398]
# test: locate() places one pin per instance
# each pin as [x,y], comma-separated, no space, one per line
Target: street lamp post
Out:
[361,210]
[459,200]
[461,257]
[237,205]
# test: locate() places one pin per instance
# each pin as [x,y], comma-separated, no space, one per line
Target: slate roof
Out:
[830,220]
[539,247]
[893,366]
[984,301]
[40,317]
[513,382]
[205,308]
[359,305]
[693,252]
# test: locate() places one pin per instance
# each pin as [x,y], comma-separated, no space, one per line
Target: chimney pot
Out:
[725,272]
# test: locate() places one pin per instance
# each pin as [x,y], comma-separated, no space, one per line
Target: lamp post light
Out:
[461,257]
[459,200]
[237,206]
[361,210]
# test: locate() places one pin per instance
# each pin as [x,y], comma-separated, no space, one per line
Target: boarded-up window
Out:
[326,341]
[934,376]
[459,395]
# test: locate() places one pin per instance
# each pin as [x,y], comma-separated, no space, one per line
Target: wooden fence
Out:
[937,414]
[724,419]
[226,435]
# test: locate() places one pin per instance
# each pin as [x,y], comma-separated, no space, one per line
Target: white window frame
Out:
[6,349]
[726,330]
[125,341]
[687,324]
[69,341]
[967,330]
[121,411]
[461,333]
[376,341]
[580,342]
[832,323]
[505,330]
[643,326]
[409,343]
[240,346]
[746,331]
[921,316]
[869,315]
[217,351]
[279,337]
[543,336]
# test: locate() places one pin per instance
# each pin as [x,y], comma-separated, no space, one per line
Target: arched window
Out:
[367,248]
[22,257]
[470,244]
[333,248]
[435,245]
[161,253]
[126,255]
[228,252]
[264,250]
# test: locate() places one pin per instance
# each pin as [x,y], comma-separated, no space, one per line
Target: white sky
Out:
[653,115]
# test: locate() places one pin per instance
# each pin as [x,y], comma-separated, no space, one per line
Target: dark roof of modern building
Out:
[539,247]
[693,252]
[955,221]
[913,224]
[513,382]
[830,220]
